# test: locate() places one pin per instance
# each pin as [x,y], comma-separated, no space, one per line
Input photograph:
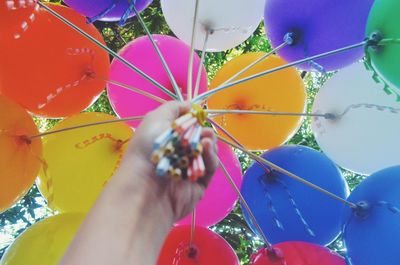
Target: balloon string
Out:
[28,21]
[368,106]
[108,50]
[126,14]
[296,208]
[271,206]
[279,68]
[389,41]
[119,148]
[244,203]
[275,50]
[159,54]
[203,56]
[287,173]
[135,118]
[390,207]
[49,180]
[252,112]
[191,58]
[103,13]
[49,185]
[133,89]
[219,127]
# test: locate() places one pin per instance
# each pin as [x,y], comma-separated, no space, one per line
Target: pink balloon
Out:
[142,54]
[219,198]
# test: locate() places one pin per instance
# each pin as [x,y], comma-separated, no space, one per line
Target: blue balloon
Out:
[372,232]
[288,210]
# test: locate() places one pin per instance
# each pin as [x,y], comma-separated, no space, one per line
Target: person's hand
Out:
[135,211]
[178,197]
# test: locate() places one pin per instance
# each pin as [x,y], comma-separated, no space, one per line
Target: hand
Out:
[178,197]
[136,209]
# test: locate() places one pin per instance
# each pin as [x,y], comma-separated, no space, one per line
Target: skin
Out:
[133,215]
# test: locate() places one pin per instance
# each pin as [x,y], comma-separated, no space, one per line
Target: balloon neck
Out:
[362,209]
[270,177]
[119,144]
[192,252]
[331,116]
[373,41]
[275,254]
[292,37]
[24,140]
[90,73]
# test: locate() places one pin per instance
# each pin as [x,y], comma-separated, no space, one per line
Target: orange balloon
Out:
[20,158]
[50,69]
[282,91]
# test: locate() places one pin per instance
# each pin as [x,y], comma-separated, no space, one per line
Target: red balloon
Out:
[16,17]
[297,253]
[208,248]
[49,68]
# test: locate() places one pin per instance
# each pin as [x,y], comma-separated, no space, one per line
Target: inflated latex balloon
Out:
[20,157]
[16,17]
[288,210]
[318,26]
[107,10]
[141,53]
[61,73]
[231,22]
[297,253]
[384,19]
[219,198]
[361,138]
[208,248]
[80,162]
[376,220]
[282,91]
[45,242]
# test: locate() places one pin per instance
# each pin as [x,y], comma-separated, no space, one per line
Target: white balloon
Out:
[232,21]
[366,138]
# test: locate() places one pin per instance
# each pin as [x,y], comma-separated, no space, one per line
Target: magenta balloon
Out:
[141,53]
[219,198]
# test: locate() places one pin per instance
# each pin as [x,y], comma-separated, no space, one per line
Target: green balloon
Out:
[385,19]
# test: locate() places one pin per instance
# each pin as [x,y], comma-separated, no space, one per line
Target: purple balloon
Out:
[319,26]
[106,10]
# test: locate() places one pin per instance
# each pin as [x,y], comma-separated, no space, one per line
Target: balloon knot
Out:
[374,40]
[275,254]
[362,209]
[119,144]
[90,73]
[289,38]
[192,252]
[270,177]
[25,139]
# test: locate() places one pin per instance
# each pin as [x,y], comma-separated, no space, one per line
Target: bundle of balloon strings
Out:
[177,153]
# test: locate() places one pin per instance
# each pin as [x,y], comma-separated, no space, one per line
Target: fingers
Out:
[209,155]
[171,110]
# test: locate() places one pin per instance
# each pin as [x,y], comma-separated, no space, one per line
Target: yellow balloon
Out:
[282,91]
[45,242]
[80,162]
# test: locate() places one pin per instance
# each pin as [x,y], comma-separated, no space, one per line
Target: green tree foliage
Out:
[234,229]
